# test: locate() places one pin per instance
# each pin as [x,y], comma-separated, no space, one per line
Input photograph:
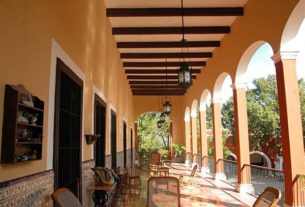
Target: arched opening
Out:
[223,136]
[206,132]
[256,74]
[223,94]
[195,123]
[188,136]
[260,159]
[153,137]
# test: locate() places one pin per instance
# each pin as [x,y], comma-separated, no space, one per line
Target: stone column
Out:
[217,142]
[243,184]
[187,126]
[204,141]
[291,124]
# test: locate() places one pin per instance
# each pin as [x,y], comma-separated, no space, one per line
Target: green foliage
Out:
[151,138]
[179,148]
[302,101]
[226,150]
[263,111]
[209,117]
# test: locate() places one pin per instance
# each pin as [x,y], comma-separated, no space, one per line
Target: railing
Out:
[230,169]
[262,177]
[299,189]
[210,163]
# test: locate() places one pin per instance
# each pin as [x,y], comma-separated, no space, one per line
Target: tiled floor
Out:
[204,192]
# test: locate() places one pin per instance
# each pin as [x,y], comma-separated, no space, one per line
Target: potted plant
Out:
[179,153]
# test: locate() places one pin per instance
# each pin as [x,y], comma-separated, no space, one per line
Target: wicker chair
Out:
[163,191]
[269,198]
[155,163]
[189,182]
[63,197]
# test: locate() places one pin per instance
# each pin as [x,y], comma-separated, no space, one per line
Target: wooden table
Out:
[163,171]
[100,188]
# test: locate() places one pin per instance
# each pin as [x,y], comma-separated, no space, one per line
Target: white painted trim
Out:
[239,86]
[95,91]
[284,55]
[203,108]
[113,108]
[193,114]
[58,52]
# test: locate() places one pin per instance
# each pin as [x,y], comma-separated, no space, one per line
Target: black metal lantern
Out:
[163,117]
[184,76]
[159,124]
[167,107]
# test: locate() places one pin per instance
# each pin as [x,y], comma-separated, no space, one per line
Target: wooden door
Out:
[113,140]
[125,143]
[100,128]
[68,129]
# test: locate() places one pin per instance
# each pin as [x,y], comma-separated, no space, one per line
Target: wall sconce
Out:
[91,138]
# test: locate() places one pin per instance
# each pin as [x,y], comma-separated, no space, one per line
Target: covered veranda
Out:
[125,55]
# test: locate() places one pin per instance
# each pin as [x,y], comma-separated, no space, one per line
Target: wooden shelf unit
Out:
[21,140]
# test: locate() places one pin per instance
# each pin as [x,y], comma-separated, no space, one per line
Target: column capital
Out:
[239,86]
[284,55]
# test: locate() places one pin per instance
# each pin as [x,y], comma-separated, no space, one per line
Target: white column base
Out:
[188,163]
[188,160]
[245,188]
[204,171]
[220,176]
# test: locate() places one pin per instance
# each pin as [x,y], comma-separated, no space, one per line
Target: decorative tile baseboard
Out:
[33,191]
[87,180]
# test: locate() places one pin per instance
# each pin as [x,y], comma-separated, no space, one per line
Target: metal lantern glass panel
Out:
[167,107]
[163,117]
[185,76]
[159,124]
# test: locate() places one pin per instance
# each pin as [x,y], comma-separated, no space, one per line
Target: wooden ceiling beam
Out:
[165,55]
[172,77]
[156,87]
[168,44]
[168,12]
[161,64]
[157,92]
[156,71]
[170,30]
[147,82]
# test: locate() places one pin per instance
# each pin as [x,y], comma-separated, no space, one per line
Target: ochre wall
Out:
[262,20]
[144,104]
[84,33]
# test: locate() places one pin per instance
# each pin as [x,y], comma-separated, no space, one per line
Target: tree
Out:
[263,111]
[152,138]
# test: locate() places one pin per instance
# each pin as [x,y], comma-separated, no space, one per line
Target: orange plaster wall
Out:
[144,104]
[84,33]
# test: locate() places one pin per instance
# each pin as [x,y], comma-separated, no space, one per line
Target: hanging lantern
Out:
[159,124]
[185,76]
[167,107]
[162,117]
